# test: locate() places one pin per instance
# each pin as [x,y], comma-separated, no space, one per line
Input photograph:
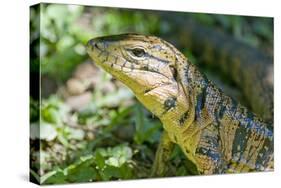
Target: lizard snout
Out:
[94,43]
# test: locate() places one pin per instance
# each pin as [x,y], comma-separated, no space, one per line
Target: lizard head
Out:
[144,63]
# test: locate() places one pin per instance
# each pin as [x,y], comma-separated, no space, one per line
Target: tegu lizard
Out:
[215,132]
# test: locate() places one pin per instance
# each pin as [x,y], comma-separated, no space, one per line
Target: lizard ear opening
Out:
[174,71]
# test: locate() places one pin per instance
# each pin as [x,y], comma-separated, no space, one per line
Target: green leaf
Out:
[47,131]
[65,42]
[100,160]
[204,18]
[126,171]
[109,172]
[145,129]
[53,177]
[115,156]
[35,175]
[63,139]
[51,115]
[112,161]
[114,99]
[264,29]
[83,171]
[76,134]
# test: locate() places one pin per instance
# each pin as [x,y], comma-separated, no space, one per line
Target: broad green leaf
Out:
[113,161]
[145,129]
[77,134]
[53,177]
[82,171]
[47,131]
[51,114]
[100,161]
[114,99]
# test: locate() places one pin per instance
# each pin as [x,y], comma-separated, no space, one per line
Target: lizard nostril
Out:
[90,43]
[96,45]
[93,44]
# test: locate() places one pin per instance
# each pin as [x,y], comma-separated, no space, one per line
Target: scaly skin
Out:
[233,57]
[216,133]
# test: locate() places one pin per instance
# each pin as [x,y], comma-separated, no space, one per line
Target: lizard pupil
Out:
[138,52]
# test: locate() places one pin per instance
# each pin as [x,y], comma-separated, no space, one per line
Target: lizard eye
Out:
[138,52]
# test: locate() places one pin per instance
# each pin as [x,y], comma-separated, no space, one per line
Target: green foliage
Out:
[255,32]
[106,164]
[62,42]
[89,148]
[62,45]
[146,130]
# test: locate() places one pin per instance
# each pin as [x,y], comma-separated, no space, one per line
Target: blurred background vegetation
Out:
[88,126]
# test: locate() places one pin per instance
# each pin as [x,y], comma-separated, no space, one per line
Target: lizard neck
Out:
[191,101]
